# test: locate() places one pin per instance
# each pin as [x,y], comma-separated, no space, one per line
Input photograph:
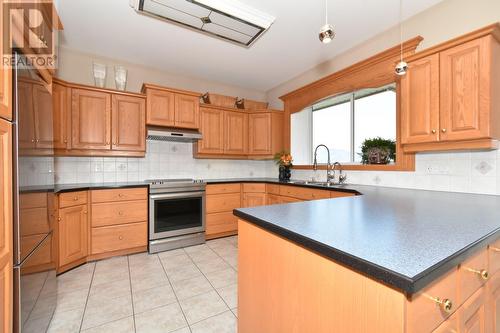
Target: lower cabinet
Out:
[493,308]
[73,233]
[119,237]
[472,315]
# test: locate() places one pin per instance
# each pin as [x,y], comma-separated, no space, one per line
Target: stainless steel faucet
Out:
[330,176]
[342,175]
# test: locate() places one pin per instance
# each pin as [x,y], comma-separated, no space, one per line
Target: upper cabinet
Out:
[242,134]
[448,98]
[98,122]
[172,108]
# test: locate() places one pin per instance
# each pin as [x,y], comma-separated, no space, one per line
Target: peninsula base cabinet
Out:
[97,224]
[330,297]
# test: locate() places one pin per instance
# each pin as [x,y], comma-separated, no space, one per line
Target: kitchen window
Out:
[342,123]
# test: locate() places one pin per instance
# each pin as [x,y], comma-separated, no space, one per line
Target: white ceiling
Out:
[291,46]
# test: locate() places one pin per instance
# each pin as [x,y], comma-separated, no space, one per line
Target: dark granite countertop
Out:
[404,238]
[97,186]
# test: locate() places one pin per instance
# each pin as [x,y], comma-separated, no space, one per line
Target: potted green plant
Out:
[378,151]
[284,160]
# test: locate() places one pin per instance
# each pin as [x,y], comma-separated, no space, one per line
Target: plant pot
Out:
[284,173]
[378,156]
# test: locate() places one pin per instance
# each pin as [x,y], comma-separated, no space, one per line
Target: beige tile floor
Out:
[193,289]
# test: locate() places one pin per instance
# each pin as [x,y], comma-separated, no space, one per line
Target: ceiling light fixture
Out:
[402,66]
[326,33]
[227,19]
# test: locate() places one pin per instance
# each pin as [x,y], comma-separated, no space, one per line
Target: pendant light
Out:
[326,33]
[402,66]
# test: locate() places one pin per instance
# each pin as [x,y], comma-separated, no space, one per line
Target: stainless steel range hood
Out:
[173,134]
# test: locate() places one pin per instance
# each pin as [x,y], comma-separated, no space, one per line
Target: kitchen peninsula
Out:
[389,260]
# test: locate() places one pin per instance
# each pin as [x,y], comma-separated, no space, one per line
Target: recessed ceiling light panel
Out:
[227,19]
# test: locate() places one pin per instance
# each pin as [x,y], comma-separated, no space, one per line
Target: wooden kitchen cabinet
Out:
[6,236]
[450,325]
[172,107]
[129,123]
[61,104]
[5,80]
[254,199]
[160,108]
[90,120]
[212,127]
[187,110]
[473,314]
[493,306]
[420,105]
[447,96]
[73,234]
[43,117]
[235,133]
[26,115]
[265,133]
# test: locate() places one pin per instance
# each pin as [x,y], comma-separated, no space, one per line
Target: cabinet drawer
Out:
[119,237]
[119,195]
[273,199]
[223,202]
[34,221]
[288,199]
[471,275]
[72,199]
[223,188]
[32,200]
[221,222]
[494,257]
[254,188]
[423,313]
[119,212]
[449,326]
[273,189]
[304,193]
[473,315]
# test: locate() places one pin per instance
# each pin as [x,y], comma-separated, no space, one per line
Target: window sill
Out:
[361,167]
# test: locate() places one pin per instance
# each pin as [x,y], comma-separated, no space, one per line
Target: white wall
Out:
[76,66]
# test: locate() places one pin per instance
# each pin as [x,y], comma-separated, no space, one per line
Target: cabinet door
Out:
[420,101]
[212,129]
[259,126]
[43,115]
[473,313]
[494,304]
[160,108]
[273,199]
[90,119]
[254,199]
[465,91]
[5,226]
[62,116]
[129,123]
[450,325]
[5,79]
[73,233]
[187,110]
[26,115]
[236,133]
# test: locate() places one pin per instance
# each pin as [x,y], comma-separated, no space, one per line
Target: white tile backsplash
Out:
[163,160]
[463,171]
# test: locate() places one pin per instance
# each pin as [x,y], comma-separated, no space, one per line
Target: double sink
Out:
[315,183]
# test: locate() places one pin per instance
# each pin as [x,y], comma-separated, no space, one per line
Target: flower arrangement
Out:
[283,158]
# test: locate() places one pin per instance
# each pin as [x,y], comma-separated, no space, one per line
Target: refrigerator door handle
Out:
[15,167]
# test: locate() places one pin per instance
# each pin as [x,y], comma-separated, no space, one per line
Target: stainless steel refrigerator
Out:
[35,286]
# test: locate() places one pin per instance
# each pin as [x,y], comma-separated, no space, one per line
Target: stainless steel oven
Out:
[176,214]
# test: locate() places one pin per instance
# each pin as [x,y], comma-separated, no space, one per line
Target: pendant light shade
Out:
[326,33]
[402,66]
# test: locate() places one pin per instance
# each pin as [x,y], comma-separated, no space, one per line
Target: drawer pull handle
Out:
[482,273]
[120,213]
[120,195]
[445,304]
[120,237]
[494,249]
[433,131]
[75,199]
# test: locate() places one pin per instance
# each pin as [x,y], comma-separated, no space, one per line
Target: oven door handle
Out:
[176,195]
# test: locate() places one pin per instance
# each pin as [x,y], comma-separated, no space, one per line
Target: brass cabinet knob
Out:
[65,141]
[120,195]
[59,219]
[120,213]
[37,140]
[494,249]
[483,274]
[75,198]
[445,304]
[443,130]
[32,140]
[120,237]
[84,212]
[433,131]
